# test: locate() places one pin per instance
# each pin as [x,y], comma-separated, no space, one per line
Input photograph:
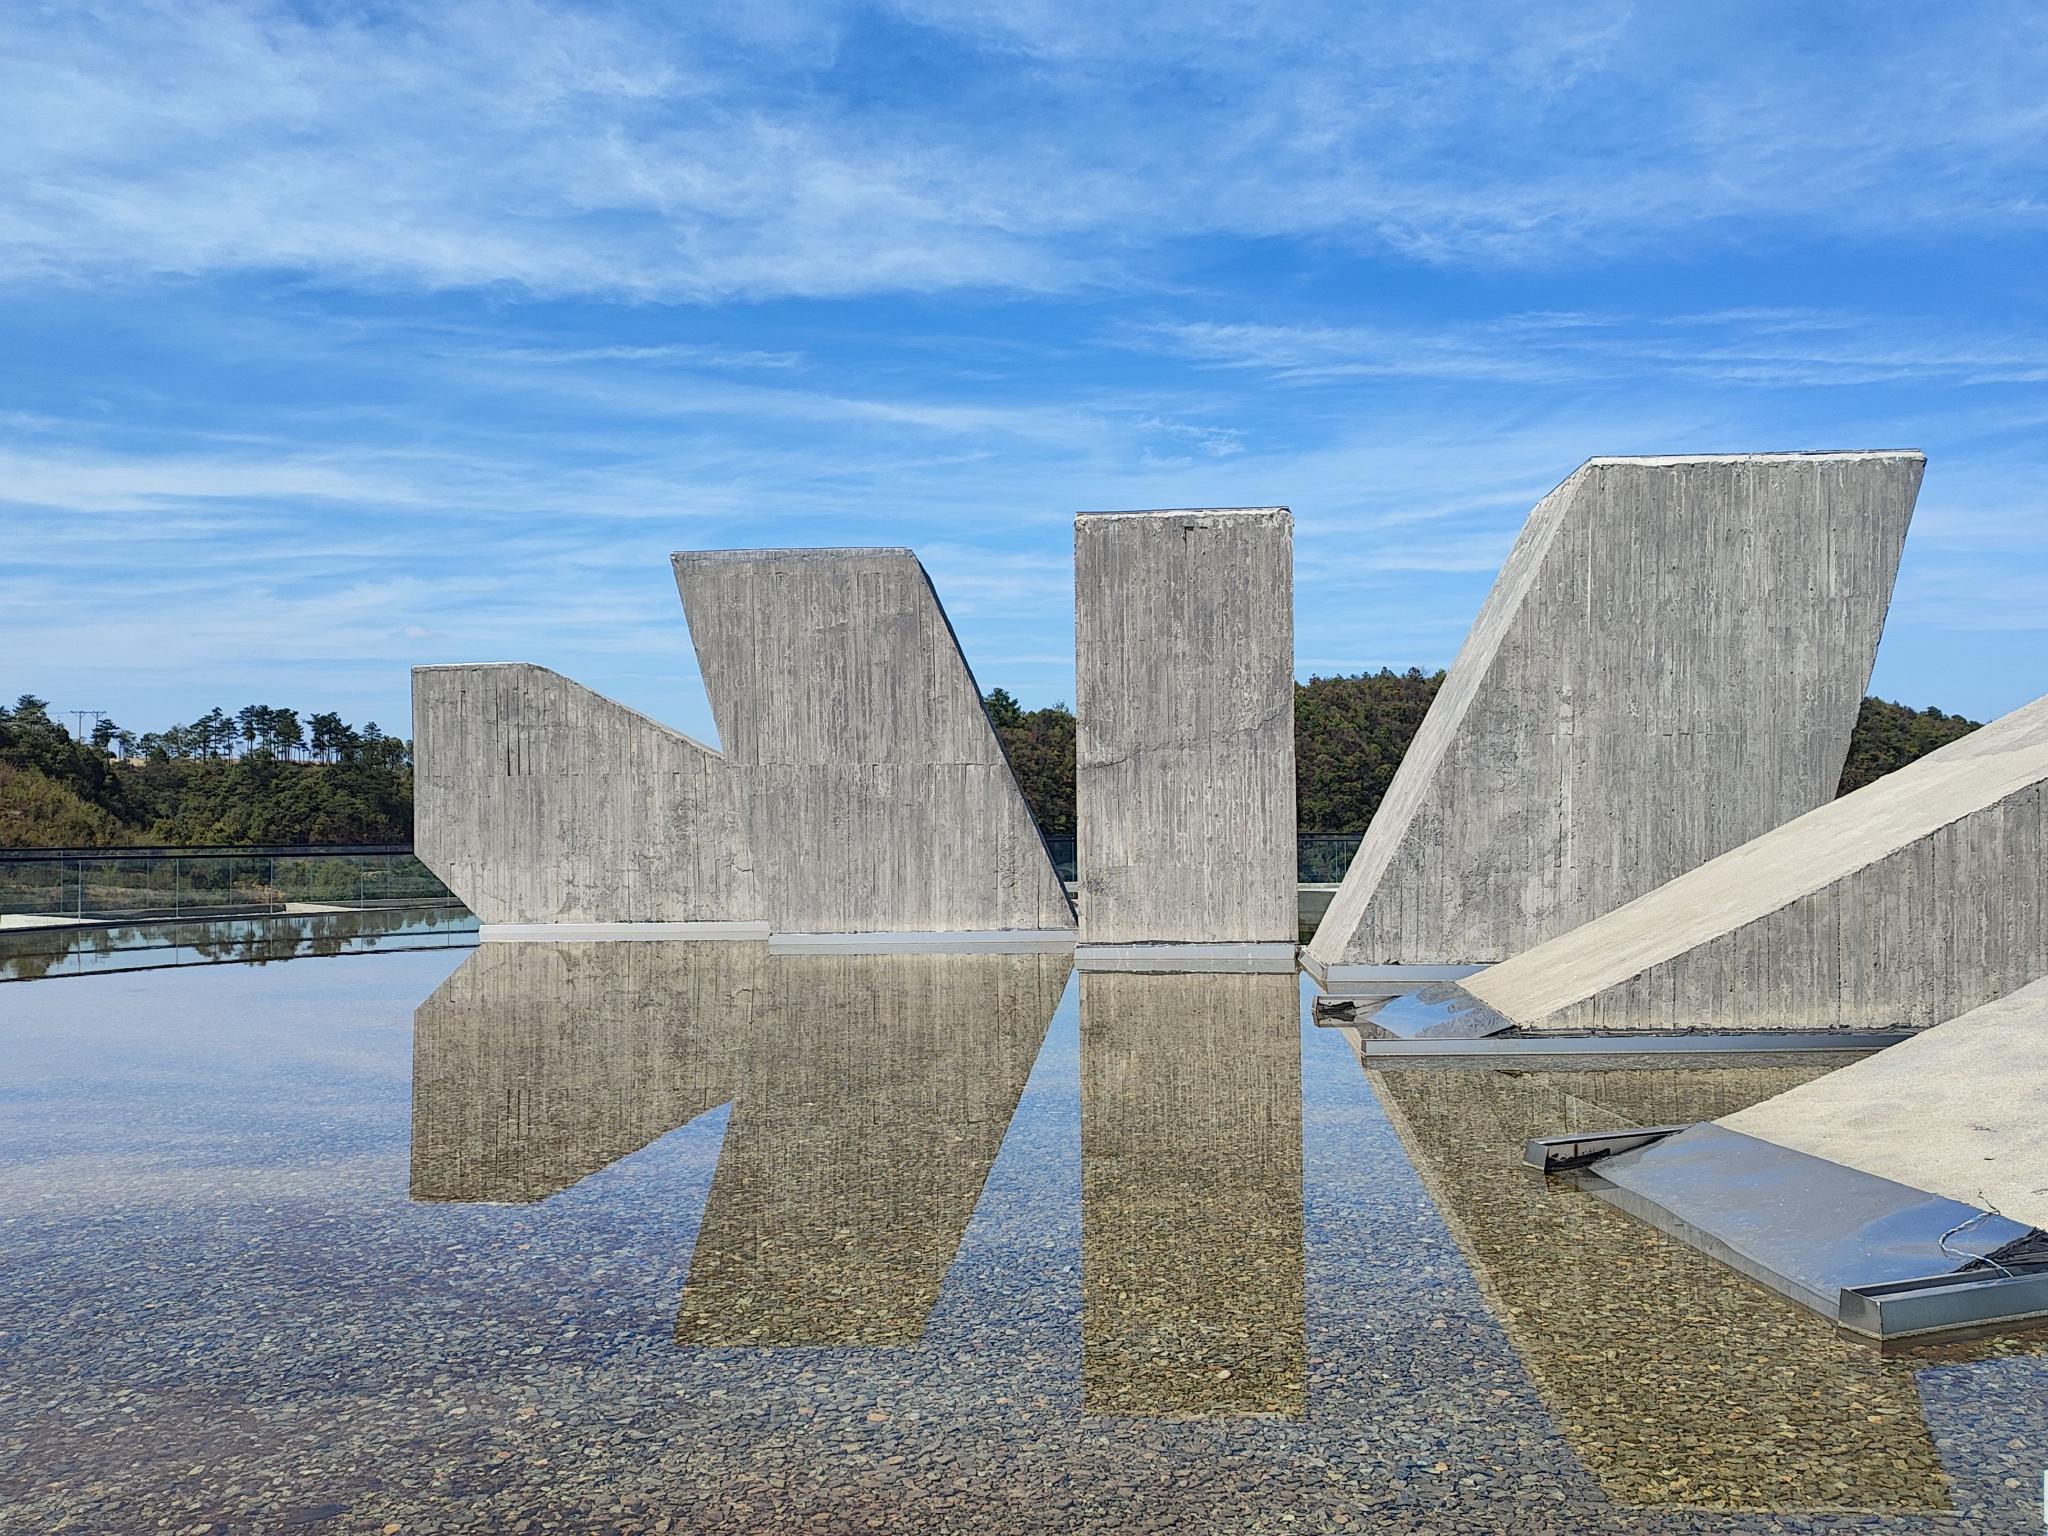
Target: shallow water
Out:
[613,1235]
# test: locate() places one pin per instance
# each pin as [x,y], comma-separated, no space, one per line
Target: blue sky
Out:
[345,336]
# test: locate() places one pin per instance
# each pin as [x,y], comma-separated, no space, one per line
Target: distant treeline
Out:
[1350,734]
[257,776]
[262,775]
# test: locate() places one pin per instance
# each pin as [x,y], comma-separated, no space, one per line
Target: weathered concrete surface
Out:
[1191,1196]
[870,1094]
[877,796]
[1960,1111]
[1912,900]
[1669,665]
[1676,1381]
[1184,692]
[861,787]
[538,801]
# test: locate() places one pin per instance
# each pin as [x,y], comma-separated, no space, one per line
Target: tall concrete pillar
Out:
[1670,664]
[1184,692]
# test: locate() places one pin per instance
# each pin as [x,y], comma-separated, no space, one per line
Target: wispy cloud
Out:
[696,154]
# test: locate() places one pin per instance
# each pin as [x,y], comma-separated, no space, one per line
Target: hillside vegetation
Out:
[254,777]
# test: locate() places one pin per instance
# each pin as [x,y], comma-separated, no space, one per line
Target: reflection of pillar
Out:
[535,1065]
[1675,1380]
[1191,1212]
[874,1103]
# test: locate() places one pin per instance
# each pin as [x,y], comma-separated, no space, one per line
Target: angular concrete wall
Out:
[1669,664]
[538,801]
[1184,692]
[1960,1111]
[1191,1196]
[861,789]
[1908,902]
[877,795]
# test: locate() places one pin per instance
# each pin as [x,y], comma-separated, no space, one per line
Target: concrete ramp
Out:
[1960,1111]
[1911,901]
[1669,665]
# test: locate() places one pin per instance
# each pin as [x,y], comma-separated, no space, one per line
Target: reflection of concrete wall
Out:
[870,1092]
[1191,1205]
[1676,1381]
[861,789]
[538,801]
[877,795]
[1669,664]
[869,1119]
[535,1065]
[1908,902]
[1184,688]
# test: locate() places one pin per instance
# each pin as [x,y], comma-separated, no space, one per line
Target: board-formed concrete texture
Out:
[1669,665]
[1184,698]
[860,789]
[877,797]
[539,801]
[1908,902]
[1191,1195]
[1960,1111]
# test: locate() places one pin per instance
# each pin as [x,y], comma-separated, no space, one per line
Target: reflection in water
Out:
[30,954]
[1675,1380]
[870,1094]
[535,1065]
[867,1122]
[1191,1198]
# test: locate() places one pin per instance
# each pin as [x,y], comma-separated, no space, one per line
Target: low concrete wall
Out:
[1670,664]
[1184,697]
[1908,902]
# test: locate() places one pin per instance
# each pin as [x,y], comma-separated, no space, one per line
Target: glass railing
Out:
[109,885]
[1320,857]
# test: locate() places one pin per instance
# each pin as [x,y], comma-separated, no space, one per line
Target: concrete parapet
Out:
[1184,695]
[1669,665]
[1907,902]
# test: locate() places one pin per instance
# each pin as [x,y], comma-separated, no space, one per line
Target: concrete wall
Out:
[538,801]
[861,787]
[877,795]
[1669,664]
[1191,1201]
[1184,691]
[1908,902]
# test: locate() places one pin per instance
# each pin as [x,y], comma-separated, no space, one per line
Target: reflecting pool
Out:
[693,1237]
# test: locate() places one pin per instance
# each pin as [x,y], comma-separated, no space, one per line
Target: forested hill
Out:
[258,776]
[1350,734]
[262,775]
